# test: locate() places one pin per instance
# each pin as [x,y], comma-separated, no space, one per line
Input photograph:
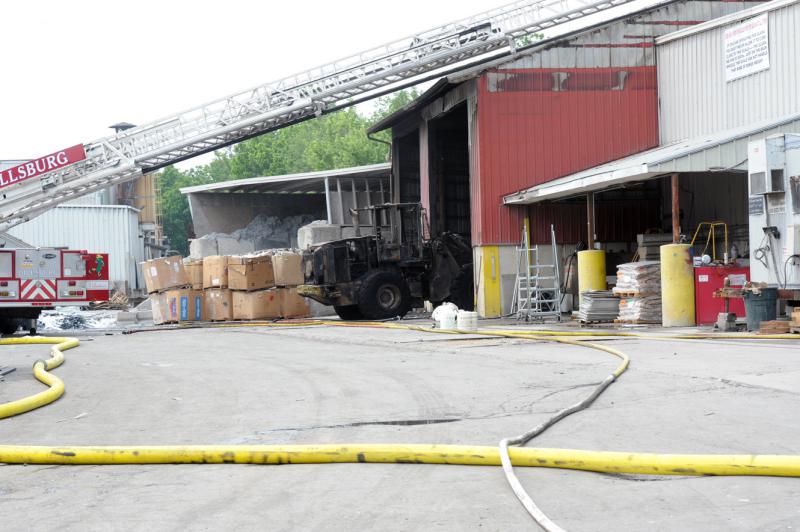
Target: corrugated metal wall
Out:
[696,99]
[616,220]
[577,104]
[108,229]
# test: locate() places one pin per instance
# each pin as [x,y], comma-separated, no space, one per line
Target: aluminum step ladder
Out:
[537,292]
[136,151]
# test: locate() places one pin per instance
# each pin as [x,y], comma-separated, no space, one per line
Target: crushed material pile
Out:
[263,232]
[73,318]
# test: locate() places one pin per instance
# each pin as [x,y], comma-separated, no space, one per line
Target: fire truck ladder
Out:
[130,153]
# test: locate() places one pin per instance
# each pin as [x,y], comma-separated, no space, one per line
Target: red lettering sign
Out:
[42,165]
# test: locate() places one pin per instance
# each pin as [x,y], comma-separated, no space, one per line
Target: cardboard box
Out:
[293,305]
[218,304]
[158,304]
[215,271]
[250,273]
[194,268]
[164,273]
[257,305]
[288,269]
[185,305]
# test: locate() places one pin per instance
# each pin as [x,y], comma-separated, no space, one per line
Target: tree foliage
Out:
[336,140]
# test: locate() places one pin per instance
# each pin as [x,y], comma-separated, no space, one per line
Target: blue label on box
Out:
[184,308]
[198,307]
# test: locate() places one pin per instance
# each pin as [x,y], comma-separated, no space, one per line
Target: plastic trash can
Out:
[760,307]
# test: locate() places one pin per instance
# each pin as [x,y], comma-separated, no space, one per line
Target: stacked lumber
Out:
[639,287]
[598,306]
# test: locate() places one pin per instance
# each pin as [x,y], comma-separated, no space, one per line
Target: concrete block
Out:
[144,315]
[318,310]
[313,234]
[125,316]
[203,247]
[230,246]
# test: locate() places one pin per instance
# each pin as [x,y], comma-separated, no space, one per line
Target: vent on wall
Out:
[758,183]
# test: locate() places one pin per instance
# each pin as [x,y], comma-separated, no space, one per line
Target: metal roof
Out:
[436,90]
[308,182]
[723,151]
[727,19]
[579,27]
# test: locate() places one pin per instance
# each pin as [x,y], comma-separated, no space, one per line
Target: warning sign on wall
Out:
[747,48]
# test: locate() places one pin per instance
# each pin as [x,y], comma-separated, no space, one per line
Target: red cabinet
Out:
[707,279]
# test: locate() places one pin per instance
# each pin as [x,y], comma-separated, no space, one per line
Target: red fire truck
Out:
[37,279]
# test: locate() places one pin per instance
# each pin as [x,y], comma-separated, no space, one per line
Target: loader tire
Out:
[384,295]
[462,291]
[348,312]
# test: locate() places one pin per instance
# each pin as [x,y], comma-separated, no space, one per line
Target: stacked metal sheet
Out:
[598,306]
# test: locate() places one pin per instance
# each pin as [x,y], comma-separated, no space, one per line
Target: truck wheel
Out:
[384,295]
[9,326]
[348,312]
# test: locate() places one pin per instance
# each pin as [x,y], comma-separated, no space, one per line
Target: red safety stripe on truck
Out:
[38,289]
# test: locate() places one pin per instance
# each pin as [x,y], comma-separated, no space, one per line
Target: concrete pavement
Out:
[328,385]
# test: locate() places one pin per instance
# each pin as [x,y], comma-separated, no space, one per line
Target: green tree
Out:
[336,140]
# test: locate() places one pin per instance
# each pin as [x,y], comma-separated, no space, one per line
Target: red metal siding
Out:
[536,125]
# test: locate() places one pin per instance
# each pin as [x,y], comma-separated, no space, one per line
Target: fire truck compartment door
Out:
[38,263]
[6,264]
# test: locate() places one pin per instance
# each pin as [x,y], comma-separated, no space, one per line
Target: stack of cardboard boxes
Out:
[173,295]
[223,288]
[288,275]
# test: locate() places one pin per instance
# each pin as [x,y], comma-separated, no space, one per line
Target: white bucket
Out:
[467,320]
[445,316]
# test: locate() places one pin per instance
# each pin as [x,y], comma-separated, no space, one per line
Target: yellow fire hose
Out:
[599,461]
[507,455]
[41,372]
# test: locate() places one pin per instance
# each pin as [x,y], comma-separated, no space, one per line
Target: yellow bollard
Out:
[677,286]
[591,271]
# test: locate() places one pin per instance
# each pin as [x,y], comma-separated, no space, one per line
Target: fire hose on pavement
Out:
[509,453]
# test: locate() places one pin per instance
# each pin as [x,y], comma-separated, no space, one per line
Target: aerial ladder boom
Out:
[130,153]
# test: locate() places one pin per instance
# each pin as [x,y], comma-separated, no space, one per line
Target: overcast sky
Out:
[70,69]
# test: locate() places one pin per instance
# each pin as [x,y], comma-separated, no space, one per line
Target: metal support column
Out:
[676,209]
[328,199]
[590,219]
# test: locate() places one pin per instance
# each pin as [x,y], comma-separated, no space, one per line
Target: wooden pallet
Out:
[794,329]
[775,327]
[637,322]
[634,293]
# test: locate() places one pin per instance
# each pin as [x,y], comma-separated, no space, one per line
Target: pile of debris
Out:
[73,318]
[263,232]
[639,287]
[598,306]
